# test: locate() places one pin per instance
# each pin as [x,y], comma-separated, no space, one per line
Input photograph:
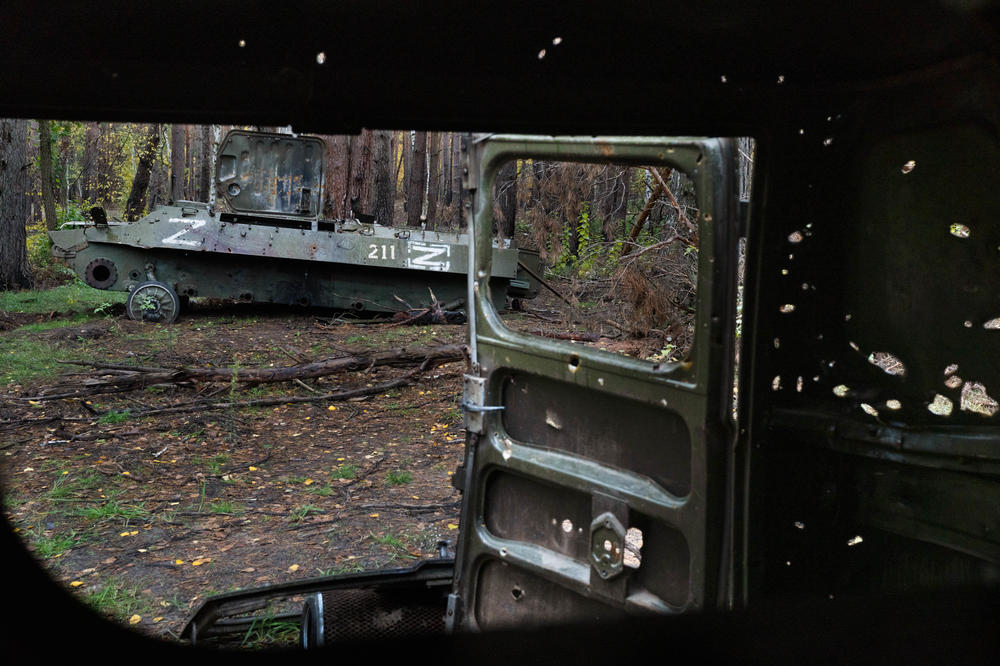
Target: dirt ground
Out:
[146,516]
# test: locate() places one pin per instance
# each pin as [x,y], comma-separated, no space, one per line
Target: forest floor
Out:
[145,516]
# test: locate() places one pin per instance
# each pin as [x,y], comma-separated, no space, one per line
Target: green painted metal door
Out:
[597,484]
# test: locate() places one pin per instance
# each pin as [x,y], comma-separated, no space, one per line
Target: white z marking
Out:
[426,255]
[176,239]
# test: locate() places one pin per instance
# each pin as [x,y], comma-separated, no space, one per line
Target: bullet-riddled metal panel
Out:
[616,431]
[271,173]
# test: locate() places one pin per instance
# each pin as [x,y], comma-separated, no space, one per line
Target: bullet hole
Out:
[909,166]
[776,383]
[320,58]
[242,43]
[840,390]
[781,79]
[888,363]
[828,141]
[868,409]
[951,369]
[723,79]
[541,54]
[953,382]
[854,540]
[567,525]
[795,237]
[975,399]
[517,593]
[847,317]
[784,271]
[574,363]
[787,307]
[633,548]
[893,404]
[940,406]
[556,41]
[798,385]
[777,343]
[799,525]
[967,323]
[802,131]
[959,230]
[805,286]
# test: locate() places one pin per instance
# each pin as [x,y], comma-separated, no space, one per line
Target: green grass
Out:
[51,545]
[73,297]
[68,486]
[398,477]
[114,417]
[23,360]
[321,491]
[345,471]
[112,510]
[267,632]
[225,506]
[118,600]
[301,513]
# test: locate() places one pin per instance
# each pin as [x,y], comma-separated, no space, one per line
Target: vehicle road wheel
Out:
[153,301]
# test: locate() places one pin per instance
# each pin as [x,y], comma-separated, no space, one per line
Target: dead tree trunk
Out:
[45,162]
[137,196]
[14,270]
[417,181]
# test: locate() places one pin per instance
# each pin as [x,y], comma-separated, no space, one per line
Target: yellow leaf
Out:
[157,619]
[294,567]
[339,459]
[252,468]
[178,561]
[332,408]
[76,583]
[126,473]
[373,515]
[135,619]
[201,561]
[124,534]
[308,482]
[452,526]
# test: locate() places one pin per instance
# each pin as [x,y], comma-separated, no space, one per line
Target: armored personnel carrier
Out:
[266,242]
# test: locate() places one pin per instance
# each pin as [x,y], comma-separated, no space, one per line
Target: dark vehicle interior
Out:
[851,508]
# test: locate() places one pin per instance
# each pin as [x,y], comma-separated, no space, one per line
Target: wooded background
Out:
[632,227]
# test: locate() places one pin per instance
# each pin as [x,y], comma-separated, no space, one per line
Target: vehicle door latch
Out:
[473,397]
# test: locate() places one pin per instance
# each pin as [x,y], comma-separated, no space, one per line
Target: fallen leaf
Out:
[76,583]
[452,526]
[201,561]
[248,570]
[294,567]
[252,468]
[157,619]
[178,561]
[373,515]
[308,482]
[135,619]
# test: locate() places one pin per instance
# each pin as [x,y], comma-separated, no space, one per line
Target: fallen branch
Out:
[422,356]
